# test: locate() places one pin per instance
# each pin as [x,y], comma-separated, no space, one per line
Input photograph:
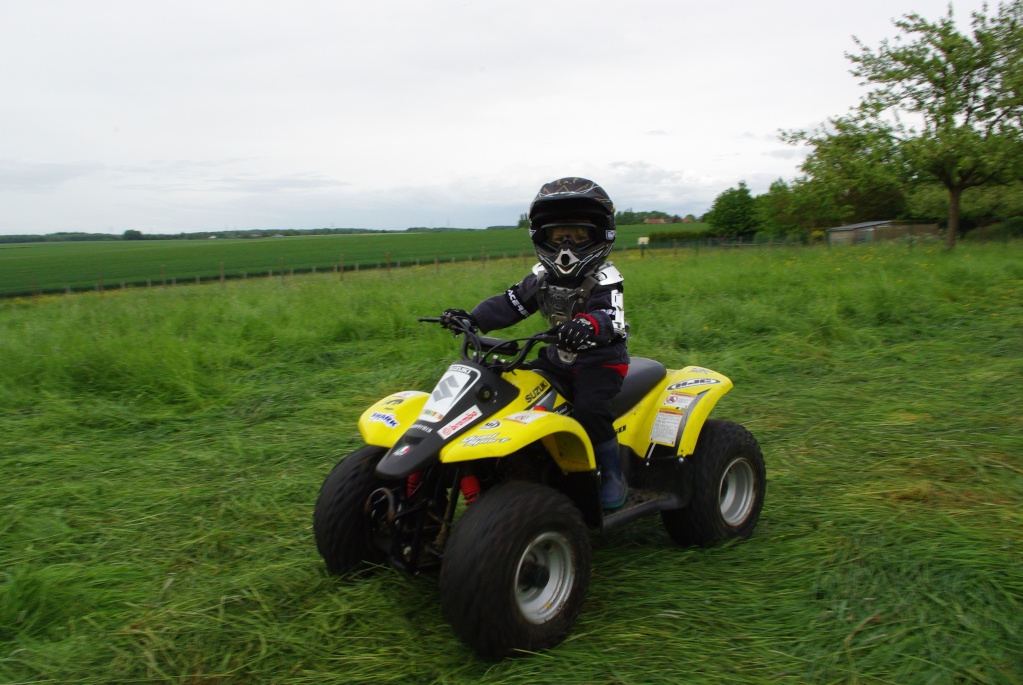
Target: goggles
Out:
[579,233]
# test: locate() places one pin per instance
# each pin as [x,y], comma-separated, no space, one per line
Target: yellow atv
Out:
[490,478]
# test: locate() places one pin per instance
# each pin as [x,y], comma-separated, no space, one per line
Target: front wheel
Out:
[729,481]
[516,570]
[343,527]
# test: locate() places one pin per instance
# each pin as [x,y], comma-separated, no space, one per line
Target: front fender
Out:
[563,437]
[387,420]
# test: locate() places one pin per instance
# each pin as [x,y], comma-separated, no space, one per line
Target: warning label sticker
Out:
[679,400]
[666,426]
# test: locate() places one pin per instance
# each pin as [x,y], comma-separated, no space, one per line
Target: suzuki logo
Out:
[446,388]
[537,391]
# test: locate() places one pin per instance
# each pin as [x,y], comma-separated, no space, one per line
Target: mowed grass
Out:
[32,268]
[162,449]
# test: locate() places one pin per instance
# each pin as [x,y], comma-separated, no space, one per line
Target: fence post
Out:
[222,273]
[341,268]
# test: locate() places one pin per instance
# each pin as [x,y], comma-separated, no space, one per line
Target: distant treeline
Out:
[132,234]
[629,217]
[622,218]
[58,238]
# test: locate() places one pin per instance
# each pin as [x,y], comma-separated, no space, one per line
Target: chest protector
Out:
[559,304]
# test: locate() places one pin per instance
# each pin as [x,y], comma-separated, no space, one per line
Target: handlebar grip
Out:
[429,319]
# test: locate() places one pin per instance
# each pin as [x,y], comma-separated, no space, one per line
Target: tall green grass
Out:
[161,450]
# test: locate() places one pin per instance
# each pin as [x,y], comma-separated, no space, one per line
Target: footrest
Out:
[640,503]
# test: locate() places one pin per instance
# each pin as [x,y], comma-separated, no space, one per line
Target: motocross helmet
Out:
[572,225]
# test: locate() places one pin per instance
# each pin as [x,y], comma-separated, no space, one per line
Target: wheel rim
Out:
[737,492]
[544,577]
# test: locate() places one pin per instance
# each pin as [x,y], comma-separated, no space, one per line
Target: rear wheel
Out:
[516,570]
[729,482]
[343,526]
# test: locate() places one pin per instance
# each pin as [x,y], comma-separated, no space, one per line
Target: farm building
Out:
[871,231]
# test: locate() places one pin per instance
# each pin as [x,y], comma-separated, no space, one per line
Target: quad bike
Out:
[489,478]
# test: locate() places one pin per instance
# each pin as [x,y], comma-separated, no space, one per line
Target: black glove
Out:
[577,334]
[457,320]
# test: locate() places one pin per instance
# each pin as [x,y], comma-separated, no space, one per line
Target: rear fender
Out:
[562,436]
[387,420]
[681,404]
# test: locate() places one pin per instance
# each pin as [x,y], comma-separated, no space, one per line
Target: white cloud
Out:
[193,115]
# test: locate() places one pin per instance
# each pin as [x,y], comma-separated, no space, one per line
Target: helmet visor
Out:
[578,233]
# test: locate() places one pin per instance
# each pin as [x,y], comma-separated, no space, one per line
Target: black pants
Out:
[591,389]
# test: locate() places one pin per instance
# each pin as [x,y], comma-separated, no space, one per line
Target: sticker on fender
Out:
[525,417]
[666,426]
[692,383]
[474,440]
[388,420]
[679,399]
[460,422]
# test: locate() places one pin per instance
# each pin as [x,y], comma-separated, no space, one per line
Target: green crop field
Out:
[161,450]
[31,268]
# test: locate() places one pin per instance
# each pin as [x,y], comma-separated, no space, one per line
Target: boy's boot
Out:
[613,487]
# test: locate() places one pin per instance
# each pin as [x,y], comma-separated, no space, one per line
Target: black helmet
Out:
[586,216]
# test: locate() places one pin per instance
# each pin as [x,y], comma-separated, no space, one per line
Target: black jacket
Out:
[599,298]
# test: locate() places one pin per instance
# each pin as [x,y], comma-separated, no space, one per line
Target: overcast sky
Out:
[198,115]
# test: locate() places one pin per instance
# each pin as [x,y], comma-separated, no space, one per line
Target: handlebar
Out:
[483,347]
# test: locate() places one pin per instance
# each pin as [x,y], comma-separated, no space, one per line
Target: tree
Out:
[132,234]
[776,210]
[981,207]
[734,212]
[856,173]
[946,106]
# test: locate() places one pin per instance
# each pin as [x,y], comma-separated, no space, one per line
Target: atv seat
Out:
[643,375]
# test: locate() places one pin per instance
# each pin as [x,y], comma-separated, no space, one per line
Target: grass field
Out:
[162,449]
[30,268]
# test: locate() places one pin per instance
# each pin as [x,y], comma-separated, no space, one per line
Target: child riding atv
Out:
[572,225]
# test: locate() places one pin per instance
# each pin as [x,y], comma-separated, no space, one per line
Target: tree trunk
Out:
[954,194]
